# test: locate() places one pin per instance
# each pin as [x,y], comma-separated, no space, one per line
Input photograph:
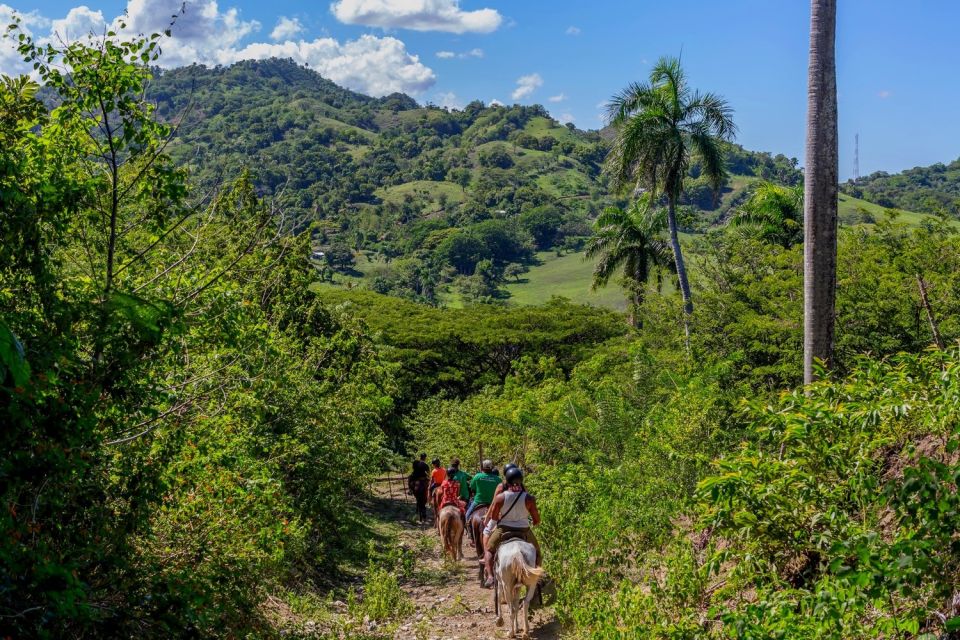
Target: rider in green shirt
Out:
[483,486]
[463,478]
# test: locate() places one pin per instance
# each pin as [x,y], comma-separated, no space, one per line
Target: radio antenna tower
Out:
[856,157]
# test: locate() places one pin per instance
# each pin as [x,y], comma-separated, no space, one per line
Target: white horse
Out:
[516,567]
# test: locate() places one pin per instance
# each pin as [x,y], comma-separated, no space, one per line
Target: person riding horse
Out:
[437,475]
[513,511]
[450,492]
[417,482]
[463,478]
[483,486]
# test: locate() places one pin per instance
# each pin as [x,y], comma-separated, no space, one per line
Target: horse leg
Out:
[531,591]
[514,609]
[496,601]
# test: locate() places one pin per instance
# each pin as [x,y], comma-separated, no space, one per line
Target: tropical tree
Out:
[661,125]
[775,212]
[820,190]
[629,242]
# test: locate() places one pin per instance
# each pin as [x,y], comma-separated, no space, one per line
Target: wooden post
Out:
[934,328]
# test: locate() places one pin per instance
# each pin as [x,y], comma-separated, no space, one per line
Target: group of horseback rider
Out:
[502,508]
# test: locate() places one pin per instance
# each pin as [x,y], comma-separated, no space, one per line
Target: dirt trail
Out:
[450,604]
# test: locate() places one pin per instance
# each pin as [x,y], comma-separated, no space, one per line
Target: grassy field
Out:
[850,206]
[423,190]
[540,127]
[568,276]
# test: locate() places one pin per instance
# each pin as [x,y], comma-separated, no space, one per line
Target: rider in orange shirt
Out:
[437,476]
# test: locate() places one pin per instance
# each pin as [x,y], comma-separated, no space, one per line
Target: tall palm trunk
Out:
[820,190]
[681,267]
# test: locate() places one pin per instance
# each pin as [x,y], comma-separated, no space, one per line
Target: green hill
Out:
[421,202]
[925,189]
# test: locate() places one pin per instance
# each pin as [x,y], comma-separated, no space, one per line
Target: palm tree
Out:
[660,126]
[775,211]
[628,242]
[820,190]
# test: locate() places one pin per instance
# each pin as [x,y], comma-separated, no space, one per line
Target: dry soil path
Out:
[449,602]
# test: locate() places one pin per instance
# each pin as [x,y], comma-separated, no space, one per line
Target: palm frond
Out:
[630,100]
[713,111]
[710,153]
[774,211]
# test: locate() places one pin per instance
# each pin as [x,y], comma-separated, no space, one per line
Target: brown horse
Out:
[476,529]
[435,496]
[451,532]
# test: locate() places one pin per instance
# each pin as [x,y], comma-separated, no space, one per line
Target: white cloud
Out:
[496,103]
[371,65]
[473,53]
[565,118]
[79,23]
[419,15]
[573,31]
[885,94]
[526,85]
[286,28]
[202,33]
[560,97]
[11,62]
[448,101]
[205,34]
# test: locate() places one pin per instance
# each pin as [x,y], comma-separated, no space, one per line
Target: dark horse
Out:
[475,526]
[418,487]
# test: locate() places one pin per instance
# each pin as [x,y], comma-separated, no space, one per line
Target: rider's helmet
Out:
[507,467]
[451,472]
[487,465]
[513,475]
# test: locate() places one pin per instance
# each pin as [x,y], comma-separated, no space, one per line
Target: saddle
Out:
[511,536]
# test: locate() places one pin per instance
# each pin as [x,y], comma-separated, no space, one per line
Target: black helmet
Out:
[509,466]
[514,475]
[436,462]
[452,471]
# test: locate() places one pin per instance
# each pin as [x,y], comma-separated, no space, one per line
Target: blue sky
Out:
[896,60]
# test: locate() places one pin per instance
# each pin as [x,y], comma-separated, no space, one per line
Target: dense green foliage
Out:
[804,523]
[188,415]
[932,189]
[172,395]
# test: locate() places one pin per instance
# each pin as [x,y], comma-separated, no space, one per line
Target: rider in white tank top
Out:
[514,513]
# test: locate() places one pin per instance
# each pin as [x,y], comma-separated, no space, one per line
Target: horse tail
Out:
[523,571]
[449,522]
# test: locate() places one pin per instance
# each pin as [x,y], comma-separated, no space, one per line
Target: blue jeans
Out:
[472,507]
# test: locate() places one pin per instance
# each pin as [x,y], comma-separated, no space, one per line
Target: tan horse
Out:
[435,496]
[451,532]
